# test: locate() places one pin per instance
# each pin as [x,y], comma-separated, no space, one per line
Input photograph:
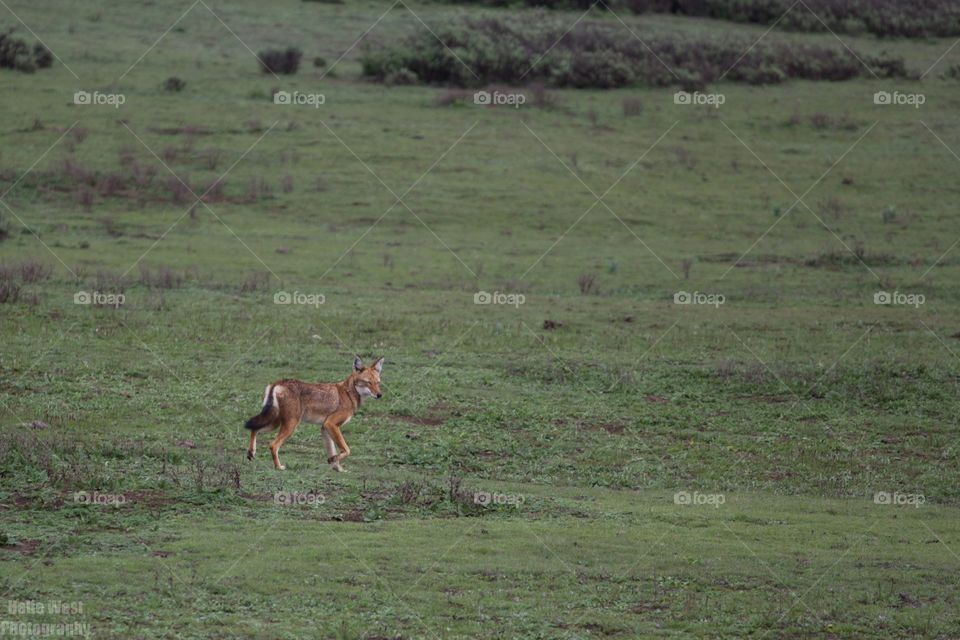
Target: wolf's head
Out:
[367,379]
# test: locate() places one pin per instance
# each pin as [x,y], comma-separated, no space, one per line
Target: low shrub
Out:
[160,277]
[595,54]
[13,277]
[135,181]
[9,291]
[952,72]
[280,61]
[886,18]
[632,107]
[174,84]
[16,54]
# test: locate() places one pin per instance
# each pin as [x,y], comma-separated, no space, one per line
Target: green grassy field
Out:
[659,469]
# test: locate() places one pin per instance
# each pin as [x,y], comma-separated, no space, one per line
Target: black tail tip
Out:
[256,422]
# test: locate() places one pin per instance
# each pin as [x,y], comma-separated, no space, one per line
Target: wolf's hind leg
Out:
[288,426]
[252,449]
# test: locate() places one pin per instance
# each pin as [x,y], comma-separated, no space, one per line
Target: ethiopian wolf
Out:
[288,402]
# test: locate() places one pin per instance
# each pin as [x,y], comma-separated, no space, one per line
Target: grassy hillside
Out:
[788,410]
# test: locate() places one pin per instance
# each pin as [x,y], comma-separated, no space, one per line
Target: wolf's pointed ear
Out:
[378,365]
[357,363]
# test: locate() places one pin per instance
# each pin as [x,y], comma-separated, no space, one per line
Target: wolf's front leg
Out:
[331,448]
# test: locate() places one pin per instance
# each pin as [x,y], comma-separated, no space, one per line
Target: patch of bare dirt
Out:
[26,547]
[423,421]
[436,415]
[353,516]
[20,501]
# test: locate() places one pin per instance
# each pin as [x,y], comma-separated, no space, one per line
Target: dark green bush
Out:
[174,84]
[280,61]
[596,54]
[888,18]
[16,54]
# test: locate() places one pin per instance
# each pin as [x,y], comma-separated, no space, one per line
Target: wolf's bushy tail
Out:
[266,415]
